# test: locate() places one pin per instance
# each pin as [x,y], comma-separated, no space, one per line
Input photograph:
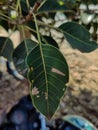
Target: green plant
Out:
[40,61]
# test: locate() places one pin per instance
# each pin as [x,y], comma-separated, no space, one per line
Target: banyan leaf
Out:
[49,40]
[6,48]
[47,7]
[51,6]
[48,74]
[78,37]
[20,53]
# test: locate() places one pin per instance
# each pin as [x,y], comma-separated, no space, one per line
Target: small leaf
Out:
[20,54]
[48,74]
[50,40]
[78,37]
[6,48]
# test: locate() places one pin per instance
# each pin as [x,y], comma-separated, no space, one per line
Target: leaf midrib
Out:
[46,79]
[86,43]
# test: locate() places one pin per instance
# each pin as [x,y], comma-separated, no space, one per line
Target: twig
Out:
[29,16]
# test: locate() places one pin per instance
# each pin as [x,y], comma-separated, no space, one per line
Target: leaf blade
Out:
[78,37]
[50,40]
[20,53]
[6,48]
[52,6]
[47,77]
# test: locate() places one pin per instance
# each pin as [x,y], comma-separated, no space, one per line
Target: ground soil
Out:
[81,96]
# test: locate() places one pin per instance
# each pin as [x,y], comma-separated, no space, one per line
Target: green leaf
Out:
[6,48]
[20,54]
[49,40]
[31,24]
[51,6]
[78,37]
[24,5]
[48,74]
[4,24]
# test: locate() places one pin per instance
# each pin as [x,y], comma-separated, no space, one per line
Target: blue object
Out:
[26,102]
[18,116]
[23,116]
[70,128]
[79,122]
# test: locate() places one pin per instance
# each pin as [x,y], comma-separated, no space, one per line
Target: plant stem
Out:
[37,30]
[27,18]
